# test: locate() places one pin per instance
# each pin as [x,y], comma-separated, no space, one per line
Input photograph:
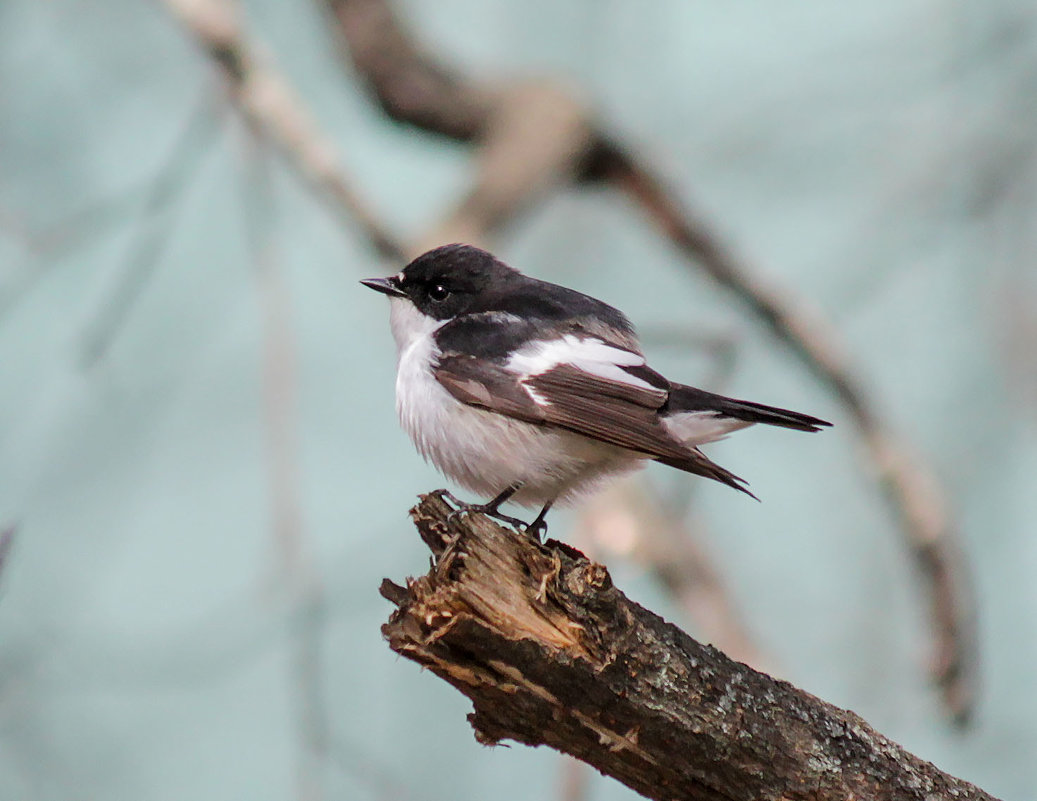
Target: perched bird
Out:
[532,392]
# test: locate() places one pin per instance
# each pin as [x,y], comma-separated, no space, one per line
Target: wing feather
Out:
[567,397]
[487,385]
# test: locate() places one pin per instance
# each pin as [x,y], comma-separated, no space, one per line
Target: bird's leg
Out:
[538,528]
[491,508]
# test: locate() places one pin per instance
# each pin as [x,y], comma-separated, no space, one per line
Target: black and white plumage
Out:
[518,388]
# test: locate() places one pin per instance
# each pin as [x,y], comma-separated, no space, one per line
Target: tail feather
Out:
[697,462]
[687,415]
[689,399]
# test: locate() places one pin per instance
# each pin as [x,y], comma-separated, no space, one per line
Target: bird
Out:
[526,391]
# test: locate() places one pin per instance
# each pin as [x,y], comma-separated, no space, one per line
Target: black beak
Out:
[387,286]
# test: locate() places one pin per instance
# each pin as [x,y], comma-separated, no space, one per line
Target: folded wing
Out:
[582,384]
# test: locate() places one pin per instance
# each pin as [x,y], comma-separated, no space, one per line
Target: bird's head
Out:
[446,282]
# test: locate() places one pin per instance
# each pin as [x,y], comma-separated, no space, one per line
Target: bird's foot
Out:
[536,530]
[489,509]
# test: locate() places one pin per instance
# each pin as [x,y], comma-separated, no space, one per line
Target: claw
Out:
[447,495]
[536,530]
[489,511]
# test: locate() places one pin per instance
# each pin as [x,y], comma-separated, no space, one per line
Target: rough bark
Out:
[551,653]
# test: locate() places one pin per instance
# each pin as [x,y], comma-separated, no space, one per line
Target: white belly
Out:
[484,451]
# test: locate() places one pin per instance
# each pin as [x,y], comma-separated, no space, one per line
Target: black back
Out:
[461,281]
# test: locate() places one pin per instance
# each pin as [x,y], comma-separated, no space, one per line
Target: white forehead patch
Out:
[585,353]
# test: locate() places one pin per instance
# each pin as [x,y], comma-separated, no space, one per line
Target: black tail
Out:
[689,399]
[698,463]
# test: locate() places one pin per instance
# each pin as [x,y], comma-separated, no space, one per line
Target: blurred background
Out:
[202,483]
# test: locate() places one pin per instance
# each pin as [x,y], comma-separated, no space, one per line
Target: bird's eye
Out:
[438,292]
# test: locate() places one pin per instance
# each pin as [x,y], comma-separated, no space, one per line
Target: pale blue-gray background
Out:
[878,158]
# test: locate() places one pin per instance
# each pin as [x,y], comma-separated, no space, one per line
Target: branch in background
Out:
[533,141]
[153,230]
[410,85]
[371,30]
[908,482]
[268,101]
[16,227]
[629,520]
[294,565]
[44,246]
[532,135]
[573,780]
[551,653]
[1017,335]
[6,543]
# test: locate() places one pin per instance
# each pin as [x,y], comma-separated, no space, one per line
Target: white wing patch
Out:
[585,353]
[698,428]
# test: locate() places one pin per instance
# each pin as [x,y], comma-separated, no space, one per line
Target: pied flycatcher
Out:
[532,392]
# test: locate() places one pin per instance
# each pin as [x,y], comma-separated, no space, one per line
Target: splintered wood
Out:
[551,653]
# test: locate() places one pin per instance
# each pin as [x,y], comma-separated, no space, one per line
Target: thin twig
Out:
[152,233]
[532,142]
[280,380]
[44,246]
[408,83]
[6,543]
[266,98]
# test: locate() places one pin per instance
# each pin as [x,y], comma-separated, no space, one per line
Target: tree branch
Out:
[629,519]
[408,84]
[268,101]
[551,653]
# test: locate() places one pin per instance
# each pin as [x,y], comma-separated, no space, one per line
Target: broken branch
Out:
[551,653]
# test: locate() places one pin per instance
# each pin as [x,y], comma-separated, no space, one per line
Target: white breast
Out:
[481,450]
